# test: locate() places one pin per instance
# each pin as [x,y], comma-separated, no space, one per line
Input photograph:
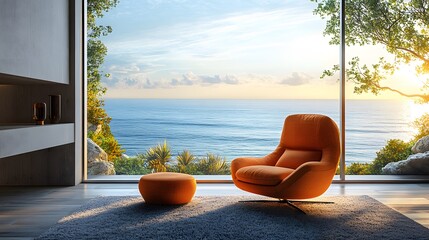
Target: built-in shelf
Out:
[18,139]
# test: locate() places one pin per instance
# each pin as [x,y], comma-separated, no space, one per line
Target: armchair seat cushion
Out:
[263,175]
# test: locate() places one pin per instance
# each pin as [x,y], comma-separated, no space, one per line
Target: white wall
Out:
[34,39]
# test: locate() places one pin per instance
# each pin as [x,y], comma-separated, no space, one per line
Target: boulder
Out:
[97,160]
[101,168]
[415,164]
[95,152]
[421,146]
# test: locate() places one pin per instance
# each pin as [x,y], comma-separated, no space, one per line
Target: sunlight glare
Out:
[416,110]
[409,72]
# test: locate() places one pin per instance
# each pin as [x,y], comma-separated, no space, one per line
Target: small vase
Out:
[39,113]
[54,108]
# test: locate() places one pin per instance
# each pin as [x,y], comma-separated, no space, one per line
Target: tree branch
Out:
[424,97]
[413,53]
[402,48]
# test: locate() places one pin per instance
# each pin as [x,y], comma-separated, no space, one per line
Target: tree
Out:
[96,52]
[401,26]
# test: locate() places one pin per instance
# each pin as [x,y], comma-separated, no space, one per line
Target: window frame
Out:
[341,178]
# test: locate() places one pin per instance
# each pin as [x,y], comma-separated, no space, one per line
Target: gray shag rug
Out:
[224,217]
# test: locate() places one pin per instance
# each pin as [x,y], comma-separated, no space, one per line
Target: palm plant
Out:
[185,161]
[158,156]
[213,165]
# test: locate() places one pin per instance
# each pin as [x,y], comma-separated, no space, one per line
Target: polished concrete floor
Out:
[26,212]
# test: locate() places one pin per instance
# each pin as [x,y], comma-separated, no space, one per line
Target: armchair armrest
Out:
[309,173]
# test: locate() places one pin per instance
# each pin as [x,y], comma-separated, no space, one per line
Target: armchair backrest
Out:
[309,137]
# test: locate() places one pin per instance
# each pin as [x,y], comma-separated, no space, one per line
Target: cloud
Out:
[296,79]
[133,77]
[126,83]
[186,80]
[204,80]
[229,79]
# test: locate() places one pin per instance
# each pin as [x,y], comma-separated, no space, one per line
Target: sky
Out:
[247,49]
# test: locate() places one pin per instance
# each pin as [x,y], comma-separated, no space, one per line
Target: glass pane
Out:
[215,78]
[386,88]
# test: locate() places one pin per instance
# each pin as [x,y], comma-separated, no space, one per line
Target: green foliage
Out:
[422,126]
[213,165]
[96,52]
[358,169]
[158,157]
[394,151]
[186,162]
[401,26]
[107,142]
[131,166]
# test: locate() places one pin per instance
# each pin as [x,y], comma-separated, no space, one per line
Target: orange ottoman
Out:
[167,188]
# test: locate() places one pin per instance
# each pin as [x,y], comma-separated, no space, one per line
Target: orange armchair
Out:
[301,167]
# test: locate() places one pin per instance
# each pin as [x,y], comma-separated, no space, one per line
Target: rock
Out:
[97,160]
[101,168]
[421,146]
[125,156]
[95,152]
[415,164]
[94,128]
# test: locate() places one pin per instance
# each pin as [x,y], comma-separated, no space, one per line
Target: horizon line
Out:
[263,99]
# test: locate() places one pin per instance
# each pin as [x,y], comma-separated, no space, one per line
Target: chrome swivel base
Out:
[290,203]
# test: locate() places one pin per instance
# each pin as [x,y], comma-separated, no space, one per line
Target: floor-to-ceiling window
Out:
[386,90]
[385,70]
[188,86]
[192,85]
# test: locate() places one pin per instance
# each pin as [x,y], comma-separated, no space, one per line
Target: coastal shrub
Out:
[394,151]
[107,142]
[359,169]
[213,165]
[131,166]
[158,157]
[186,162]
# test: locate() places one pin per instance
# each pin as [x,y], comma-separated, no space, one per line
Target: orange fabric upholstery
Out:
[303,164]
[167,188]
[263,175]
[295,158]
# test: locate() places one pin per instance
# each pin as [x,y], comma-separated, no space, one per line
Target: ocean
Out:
[234,128]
